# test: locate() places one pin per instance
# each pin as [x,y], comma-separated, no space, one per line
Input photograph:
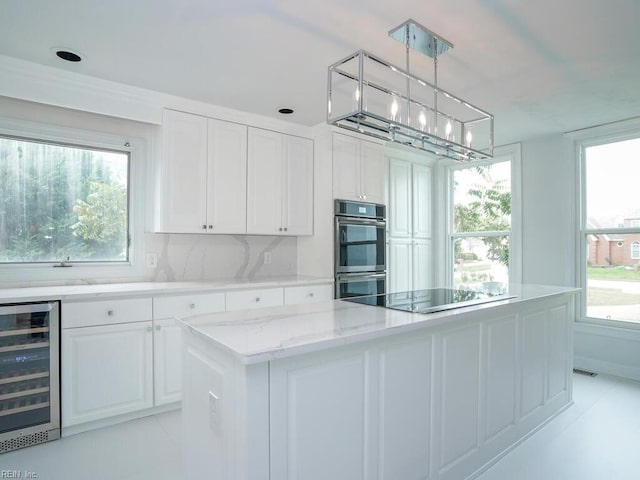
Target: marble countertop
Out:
[255,336]
[107,290]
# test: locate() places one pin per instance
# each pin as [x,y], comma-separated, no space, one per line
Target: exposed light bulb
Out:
[448,129]
[422,118]
[469,138]
[394,109]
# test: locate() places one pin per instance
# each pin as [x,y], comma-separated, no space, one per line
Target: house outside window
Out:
[610,228]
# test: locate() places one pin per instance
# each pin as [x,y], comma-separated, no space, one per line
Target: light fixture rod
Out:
[407,33]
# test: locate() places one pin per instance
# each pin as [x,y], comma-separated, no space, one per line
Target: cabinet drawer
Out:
[105,312]
[266,297]
[180,306]
[307,294]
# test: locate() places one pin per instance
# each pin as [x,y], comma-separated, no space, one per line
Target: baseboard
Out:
[106,422]
[609,368]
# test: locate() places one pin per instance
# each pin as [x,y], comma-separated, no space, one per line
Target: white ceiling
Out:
[540,67]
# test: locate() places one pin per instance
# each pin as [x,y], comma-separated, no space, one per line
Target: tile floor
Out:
[598,438]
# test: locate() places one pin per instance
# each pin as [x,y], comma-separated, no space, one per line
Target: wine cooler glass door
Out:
[29,374]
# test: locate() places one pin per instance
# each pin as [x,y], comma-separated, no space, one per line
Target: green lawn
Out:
[613,273]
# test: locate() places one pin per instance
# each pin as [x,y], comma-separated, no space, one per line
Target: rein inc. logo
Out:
[17,474]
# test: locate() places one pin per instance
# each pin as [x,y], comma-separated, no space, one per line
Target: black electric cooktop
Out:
[431,300]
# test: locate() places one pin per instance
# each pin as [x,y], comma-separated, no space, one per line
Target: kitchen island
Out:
[342,391]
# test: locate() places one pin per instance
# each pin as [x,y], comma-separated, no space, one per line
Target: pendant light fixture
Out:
[371,96]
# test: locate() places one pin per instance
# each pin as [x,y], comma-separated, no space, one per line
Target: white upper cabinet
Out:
[422,203]
[372,171]
[279,184]
[399,211]
[203,172]
[183,193]
[358,169]
[227,177]
[409,199]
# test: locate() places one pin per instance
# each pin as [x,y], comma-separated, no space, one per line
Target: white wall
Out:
[549,182]
[550,250]
[315,253]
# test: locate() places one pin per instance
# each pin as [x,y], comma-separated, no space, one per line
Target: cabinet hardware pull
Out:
[285,229]
[192,306]
[149,329]
[311,294]
[280,229]
[110,313]
[257,299]
[204,227]
[158,328]
[210,227]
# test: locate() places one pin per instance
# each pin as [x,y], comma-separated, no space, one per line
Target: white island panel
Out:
[341,390]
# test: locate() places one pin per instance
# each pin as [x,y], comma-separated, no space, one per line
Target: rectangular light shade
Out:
[369,95]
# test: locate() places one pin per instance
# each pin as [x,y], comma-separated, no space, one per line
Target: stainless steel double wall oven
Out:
[360,248]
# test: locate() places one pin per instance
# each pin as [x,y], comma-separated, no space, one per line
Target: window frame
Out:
[583,139]
[26,273]
[511,153]
[635,250]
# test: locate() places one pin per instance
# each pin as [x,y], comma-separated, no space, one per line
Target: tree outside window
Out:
[60,202]
[481,225]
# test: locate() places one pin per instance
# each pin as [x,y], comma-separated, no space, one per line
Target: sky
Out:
[613,182]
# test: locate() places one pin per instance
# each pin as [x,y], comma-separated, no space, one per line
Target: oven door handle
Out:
[361,221]
[360,276]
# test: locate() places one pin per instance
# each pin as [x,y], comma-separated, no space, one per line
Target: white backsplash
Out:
[210,257]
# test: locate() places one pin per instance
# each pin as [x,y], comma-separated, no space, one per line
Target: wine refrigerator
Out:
[29,374]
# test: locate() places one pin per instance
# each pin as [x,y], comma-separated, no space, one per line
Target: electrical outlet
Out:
[267,258]
[152,260]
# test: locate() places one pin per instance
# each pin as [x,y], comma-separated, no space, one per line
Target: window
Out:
[62,203]
[103,143]
[610,276]
[480,230]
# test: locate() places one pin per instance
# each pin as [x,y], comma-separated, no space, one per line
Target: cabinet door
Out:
[422,265]
[399,211]
[227,178]
[400,265]
[421,201]
[167,361]
[106,371]
[183,195]
[264,182]
[346,175]
[372,172]
[297,204]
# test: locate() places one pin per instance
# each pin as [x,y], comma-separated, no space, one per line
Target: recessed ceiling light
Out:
[286,111]
[67,54]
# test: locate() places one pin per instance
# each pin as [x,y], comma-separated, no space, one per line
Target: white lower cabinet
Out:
[125,355]
[106,371]
[167,338]
[167,361]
